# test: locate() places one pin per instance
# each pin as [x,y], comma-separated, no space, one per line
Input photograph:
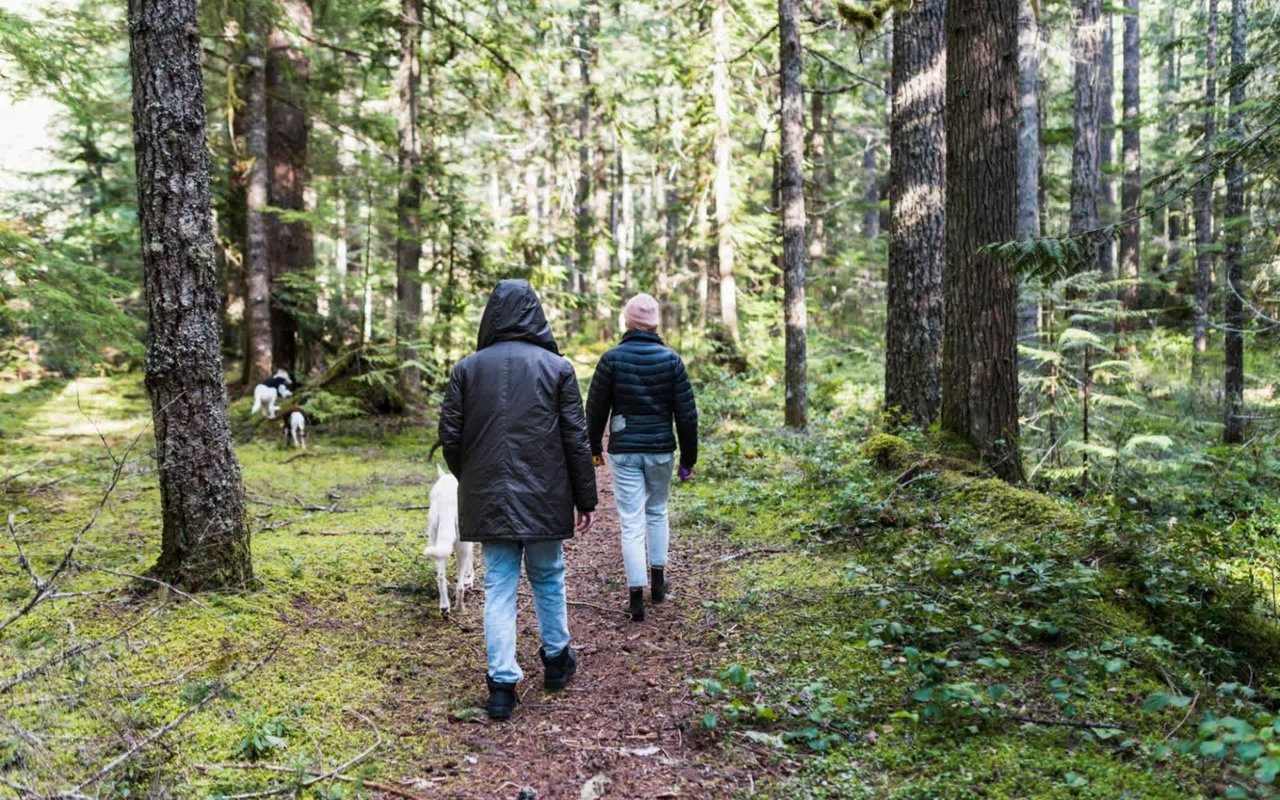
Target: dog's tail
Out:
[447,535]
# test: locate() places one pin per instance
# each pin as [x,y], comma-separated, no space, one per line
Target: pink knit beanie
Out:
[641,313]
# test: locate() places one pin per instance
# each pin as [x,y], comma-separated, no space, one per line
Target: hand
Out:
[686,474]
[585,520]
[597,460]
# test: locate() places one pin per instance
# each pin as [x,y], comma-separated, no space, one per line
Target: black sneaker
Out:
[657,584]
[502,699]
[557,671]
[635,608]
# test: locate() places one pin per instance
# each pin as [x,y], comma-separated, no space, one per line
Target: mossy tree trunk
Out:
[1203,199]
[205,542]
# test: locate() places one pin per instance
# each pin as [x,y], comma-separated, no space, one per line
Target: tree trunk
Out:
[870,189]
[724,199]
[979,351]
[204,539]
[587,56]
[792,208]
[257,255]
[1131,188]
[1028,151]
[1106,146]
[1233,413]
[1087,40]
[816,147]
[291,248]
[1169,95]
[1204,193]
[409,195]
[917,215]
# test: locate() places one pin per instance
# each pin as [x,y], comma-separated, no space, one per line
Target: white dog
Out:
[269,391]
[295,429]
[442,539]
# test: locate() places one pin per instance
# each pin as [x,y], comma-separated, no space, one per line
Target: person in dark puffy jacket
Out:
[513,432]
[640,388]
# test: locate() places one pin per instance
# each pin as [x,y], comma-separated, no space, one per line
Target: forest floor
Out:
[852,616]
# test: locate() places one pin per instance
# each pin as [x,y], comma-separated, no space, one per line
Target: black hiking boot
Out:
[657,584]
[635,609]
[502,699]
[557,671]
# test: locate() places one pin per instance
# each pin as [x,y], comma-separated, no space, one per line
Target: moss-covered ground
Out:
[897,624]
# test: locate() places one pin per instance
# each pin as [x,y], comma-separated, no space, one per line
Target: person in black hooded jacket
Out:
[513,432]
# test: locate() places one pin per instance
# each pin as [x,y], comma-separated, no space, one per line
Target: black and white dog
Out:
[295,429]
[269,391]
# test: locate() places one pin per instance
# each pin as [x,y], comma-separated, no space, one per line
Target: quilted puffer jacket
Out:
[640,388]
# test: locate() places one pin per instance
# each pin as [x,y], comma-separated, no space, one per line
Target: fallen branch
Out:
[1073,723]
[755,551]
[50,583]
[585,604]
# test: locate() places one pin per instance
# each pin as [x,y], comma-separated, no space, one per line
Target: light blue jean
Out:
[544,564]
[641,486]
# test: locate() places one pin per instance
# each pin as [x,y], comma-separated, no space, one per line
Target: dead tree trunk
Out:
[979,351]
[204,540]
[917,215]
[1233,384]
[792,208]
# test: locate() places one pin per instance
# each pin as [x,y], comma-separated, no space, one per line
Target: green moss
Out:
[888,451]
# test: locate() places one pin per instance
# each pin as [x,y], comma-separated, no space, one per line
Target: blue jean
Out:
[641,486]
[544,564]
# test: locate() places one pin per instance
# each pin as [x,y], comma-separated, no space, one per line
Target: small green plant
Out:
[263,735]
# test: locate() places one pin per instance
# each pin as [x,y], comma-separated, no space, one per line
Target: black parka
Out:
[512,428]
[639,389]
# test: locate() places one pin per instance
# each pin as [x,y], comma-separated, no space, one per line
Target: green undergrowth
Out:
[910,627]
[325,654]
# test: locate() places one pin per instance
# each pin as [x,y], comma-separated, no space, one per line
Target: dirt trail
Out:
[626,723]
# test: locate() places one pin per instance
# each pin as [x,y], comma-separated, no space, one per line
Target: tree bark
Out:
[587,57]
[1028,151]
[257,256]
[204,539]
[816,147]
[1106,146]
[1087,39]
[1204,193]
[1169,95]
[1233,413]
[724,198]
[792,208]
[291,248]
[1131,188]
[409,194]
[979,355]
[917,215]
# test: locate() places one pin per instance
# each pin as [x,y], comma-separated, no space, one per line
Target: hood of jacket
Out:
[513,314]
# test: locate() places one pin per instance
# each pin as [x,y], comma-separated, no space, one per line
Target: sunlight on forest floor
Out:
[902,630]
